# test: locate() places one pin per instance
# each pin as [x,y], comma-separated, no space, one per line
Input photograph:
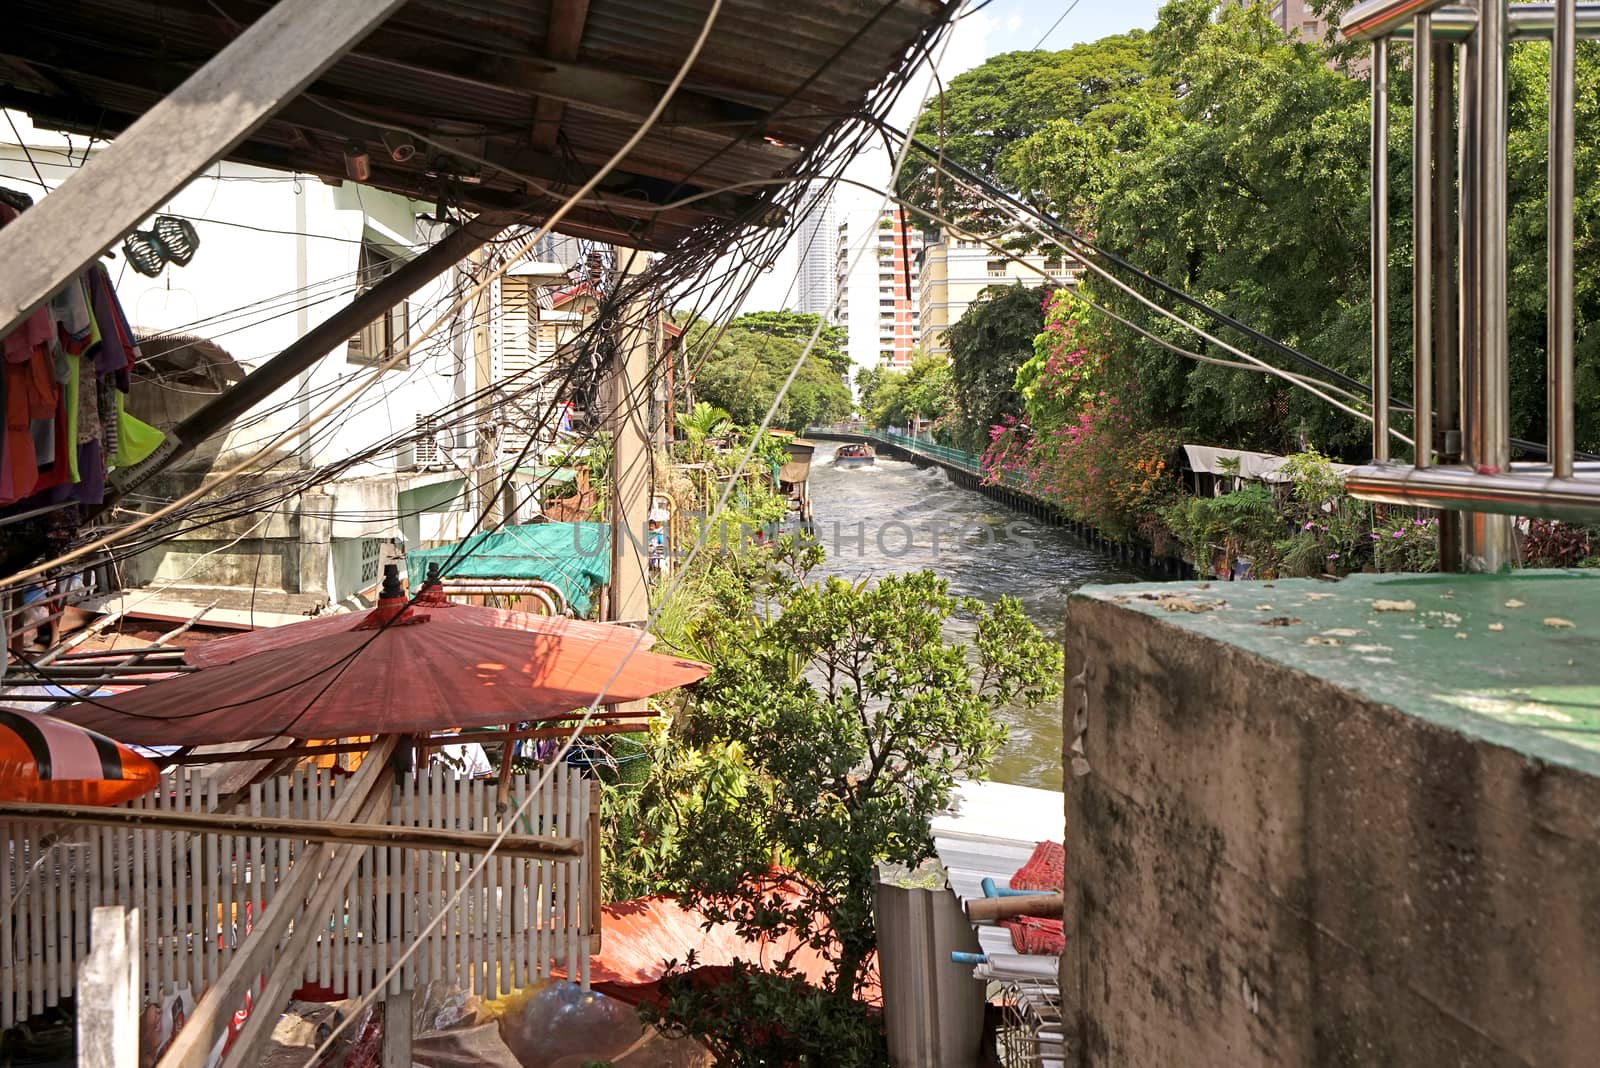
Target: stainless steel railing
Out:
[1461,364]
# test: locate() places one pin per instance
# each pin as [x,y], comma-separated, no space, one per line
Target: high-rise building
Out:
[877,289]
[818,272]
[954,271]
[1296,16]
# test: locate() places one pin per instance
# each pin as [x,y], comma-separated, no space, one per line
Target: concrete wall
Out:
[1268,868]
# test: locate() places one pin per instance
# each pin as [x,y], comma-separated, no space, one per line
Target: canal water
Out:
[895,516]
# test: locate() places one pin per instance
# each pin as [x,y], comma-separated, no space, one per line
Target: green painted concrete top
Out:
[1513,659]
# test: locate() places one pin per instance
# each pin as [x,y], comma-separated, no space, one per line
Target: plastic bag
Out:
[559,1025]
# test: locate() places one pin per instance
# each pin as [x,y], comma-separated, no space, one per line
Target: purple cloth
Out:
[117,351]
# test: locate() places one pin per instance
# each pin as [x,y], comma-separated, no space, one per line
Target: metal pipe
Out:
[1377,19]
[1470,253]
[1447,334]
[1485,412]
[1524,22]
[1488,497]
[1563,63]
[1380,250]
[1422,220]
[1494,414]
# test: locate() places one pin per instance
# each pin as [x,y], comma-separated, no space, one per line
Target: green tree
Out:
[988,343]
[987,113]
[922,391]
[702,423]
[834,726]
[743,372]
[799,326]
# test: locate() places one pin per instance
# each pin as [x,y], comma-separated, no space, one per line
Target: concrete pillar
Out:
[628,398]
[316,544]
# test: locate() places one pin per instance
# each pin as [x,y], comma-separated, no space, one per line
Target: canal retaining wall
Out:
[964,470]
[1351,823]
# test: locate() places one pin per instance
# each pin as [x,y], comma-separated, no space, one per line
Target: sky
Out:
[1001,26]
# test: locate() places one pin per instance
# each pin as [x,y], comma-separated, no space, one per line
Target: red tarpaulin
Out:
[424,672]
[640,936]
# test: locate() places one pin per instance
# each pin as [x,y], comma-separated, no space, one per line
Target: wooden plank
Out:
[436,861]
[596,849]
[193,1044]
[259,864]
[563,35]
[109,994]
[9,930]
[333,865]
[213,110]
[325,921]
[454,909]
[397,1024]
[305,830]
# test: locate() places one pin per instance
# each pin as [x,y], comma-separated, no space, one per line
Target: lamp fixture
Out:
[357,164]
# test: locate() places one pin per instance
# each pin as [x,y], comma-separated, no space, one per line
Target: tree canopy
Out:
[799,326]
[991,340]
[897,397]
[743,371]
[1230,159]
[834,726]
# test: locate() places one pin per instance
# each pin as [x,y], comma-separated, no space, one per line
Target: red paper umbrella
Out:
[238,646]
[46,761]
[418,672]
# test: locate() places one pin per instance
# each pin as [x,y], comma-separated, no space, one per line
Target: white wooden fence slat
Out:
[198,894]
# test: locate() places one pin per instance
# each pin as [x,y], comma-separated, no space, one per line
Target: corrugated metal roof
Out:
[990,832]
[472,68]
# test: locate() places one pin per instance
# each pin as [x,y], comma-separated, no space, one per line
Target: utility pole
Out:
[628,400]
[485,467]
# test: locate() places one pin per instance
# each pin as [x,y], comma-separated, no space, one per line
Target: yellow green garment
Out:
[136,439]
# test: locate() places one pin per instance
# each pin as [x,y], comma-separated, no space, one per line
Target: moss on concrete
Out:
[1512,659]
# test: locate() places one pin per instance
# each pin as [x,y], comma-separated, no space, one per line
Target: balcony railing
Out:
[1461,458]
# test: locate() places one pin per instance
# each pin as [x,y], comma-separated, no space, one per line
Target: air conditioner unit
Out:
[425,445]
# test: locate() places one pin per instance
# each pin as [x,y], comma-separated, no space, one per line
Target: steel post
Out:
[1563,61]
[1422,265]
[1446,330]
[1380,250]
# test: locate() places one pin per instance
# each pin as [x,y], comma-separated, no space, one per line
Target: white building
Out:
[815,246]
[278,254]
[954,271]
[876,271]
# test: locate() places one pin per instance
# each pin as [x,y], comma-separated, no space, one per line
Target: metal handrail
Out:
[1461,387]
[1524,22]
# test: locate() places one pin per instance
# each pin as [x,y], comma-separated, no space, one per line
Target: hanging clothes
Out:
[67,369]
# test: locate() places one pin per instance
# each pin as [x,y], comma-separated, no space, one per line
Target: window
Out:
[997,268]
[889,303]
[380,338]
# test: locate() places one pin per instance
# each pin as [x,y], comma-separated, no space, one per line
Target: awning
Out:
[574,557]
[1253,466]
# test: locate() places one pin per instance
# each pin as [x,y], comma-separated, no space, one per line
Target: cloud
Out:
[1013,23]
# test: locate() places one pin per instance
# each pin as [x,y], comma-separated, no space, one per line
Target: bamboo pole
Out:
[307,830]
[992,909]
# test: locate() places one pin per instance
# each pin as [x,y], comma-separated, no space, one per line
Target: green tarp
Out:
[573,557]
